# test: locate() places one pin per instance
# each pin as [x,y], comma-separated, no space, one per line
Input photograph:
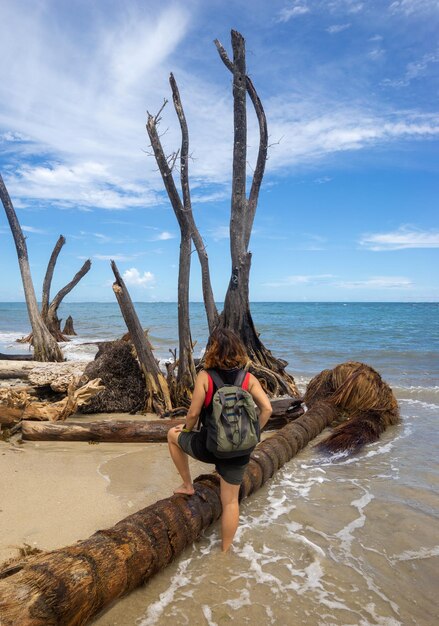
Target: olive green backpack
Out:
[233,424]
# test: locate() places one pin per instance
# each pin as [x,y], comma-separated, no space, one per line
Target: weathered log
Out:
[70,585]
[58,376]
[133,431]
[16,405]
[16,357]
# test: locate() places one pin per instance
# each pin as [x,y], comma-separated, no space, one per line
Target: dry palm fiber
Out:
[363,400]
[69,586]
[124,383]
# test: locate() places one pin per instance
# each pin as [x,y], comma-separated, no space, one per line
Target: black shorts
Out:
[194,444]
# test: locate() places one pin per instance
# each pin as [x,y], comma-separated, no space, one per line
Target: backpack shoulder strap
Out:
[216,378]
[240,376]
[246,381]
[209,394]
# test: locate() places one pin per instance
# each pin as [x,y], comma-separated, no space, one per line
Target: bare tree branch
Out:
[263,145]
[49,275]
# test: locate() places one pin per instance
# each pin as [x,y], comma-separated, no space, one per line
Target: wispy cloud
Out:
[113,257]
[294,10]
[401,239]
[300,279]
[410,7]
[32,229]
[136,279]
[337,28]
[414,70]
[377,282]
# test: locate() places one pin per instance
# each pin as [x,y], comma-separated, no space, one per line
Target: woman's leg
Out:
[230,516]
[181,462]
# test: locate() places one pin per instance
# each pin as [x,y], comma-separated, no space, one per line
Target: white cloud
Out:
[377,282]
[134,278]
[408,7]
[164,236]
[12,137]
[113,257]
[337,28]
[401,239]
[32,229]
[290,12]
[298,279]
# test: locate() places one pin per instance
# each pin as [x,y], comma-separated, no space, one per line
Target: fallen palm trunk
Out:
[71,585]
[133,431]
[365,402]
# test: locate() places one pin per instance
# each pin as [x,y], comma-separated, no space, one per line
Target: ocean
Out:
[329,540]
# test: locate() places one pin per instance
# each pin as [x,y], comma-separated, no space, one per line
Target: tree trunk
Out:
[158,399]
[45,346]
[71,585]
[45,299]
[53,323]
[68,327]
[236,314]
[183,210]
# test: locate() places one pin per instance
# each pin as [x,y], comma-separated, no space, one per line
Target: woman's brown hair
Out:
[225,350]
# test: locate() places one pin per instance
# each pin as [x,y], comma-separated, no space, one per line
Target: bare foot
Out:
[187,490]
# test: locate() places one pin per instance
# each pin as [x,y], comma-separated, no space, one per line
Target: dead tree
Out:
[157,391]
[183,210]
[236,314]
[53,323]
[45,346]
[186,368]
[49,312]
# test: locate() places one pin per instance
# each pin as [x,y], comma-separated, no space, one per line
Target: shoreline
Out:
[61,492]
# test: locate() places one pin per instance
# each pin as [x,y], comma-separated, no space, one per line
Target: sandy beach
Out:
[55,493]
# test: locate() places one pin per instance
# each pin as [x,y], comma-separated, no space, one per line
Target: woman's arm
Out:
[198,397]
[261,400]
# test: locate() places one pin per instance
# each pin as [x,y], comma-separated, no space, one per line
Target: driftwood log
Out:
[18,405]
[133,431]
[71,585]
[16,357]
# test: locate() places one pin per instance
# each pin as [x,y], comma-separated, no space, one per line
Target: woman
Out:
[226,354]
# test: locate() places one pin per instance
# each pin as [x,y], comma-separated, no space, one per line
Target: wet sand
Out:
[54,493]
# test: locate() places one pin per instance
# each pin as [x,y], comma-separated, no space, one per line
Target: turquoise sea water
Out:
[401,340]
[328,541]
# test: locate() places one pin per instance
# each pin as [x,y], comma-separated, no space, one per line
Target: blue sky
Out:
[348,208]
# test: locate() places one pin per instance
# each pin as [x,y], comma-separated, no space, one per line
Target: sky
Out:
[348,206]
